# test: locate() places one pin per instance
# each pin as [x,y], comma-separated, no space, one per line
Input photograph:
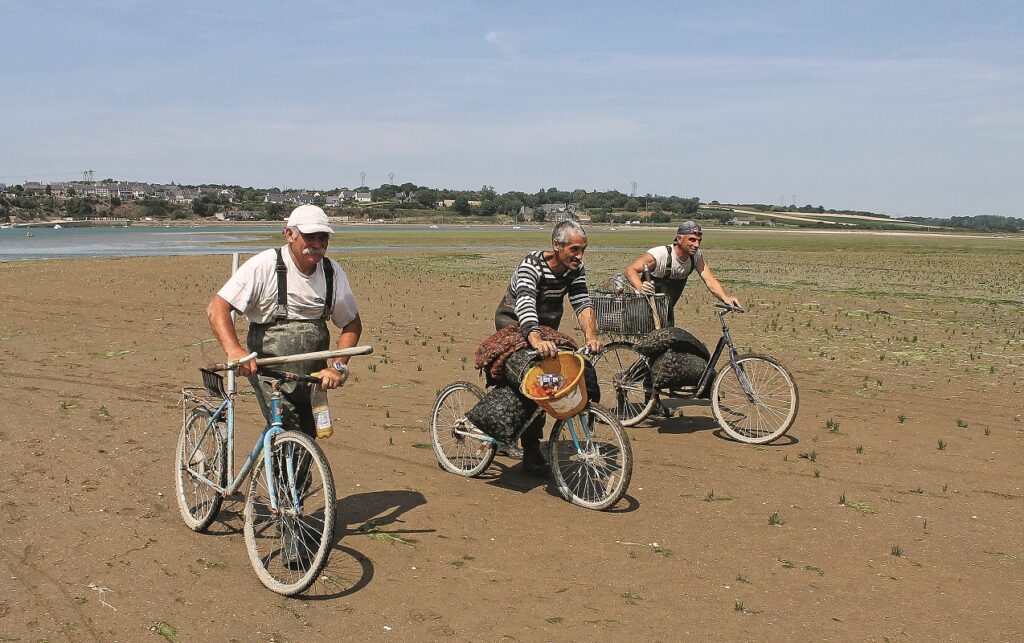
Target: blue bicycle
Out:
[290,503]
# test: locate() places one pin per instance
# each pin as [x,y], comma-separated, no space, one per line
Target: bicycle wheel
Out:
[460,447]
[288,547]
[201,455]
[770,409]
[625,380]
[592,471]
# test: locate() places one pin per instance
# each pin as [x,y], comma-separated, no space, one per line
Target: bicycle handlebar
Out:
[730,308]
[582,350]
[286,376]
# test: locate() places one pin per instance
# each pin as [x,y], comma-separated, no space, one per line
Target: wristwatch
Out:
[341,367]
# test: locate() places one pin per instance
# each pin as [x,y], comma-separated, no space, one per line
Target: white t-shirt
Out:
[680,268]
[252,290]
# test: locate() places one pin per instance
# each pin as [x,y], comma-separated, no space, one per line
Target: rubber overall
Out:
[550,306]
[285,336]
[672,288]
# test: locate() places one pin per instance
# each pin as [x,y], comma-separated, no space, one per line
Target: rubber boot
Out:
[534,462]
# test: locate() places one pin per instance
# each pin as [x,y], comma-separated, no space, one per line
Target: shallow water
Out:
[48,243]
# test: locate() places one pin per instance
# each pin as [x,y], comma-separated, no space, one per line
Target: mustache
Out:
[312,251]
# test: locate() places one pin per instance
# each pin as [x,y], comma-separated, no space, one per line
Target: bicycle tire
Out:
[625,379]
[288,552]
[755,421]
[451,433]
[596,475]
[203,445]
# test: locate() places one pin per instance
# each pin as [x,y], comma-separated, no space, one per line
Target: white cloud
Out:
[502,43]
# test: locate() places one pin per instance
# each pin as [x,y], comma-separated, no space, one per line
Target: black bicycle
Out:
[754,398]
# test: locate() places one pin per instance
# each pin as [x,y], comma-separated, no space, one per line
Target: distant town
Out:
[118,202]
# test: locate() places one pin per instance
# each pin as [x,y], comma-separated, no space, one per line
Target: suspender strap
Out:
[329,277]
[281,312]
[671,260]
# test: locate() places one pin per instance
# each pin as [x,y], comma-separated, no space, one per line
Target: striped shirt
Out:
[534,284]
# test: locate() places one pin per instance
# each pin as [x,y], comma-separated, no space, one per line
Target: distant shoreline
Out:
[525,227]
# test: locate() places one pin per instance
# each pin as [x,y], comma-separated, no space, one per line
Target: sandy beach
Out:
[95,352]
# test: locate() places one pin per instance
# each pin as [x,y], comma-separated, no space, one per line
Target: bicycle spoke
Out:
[772,408]
[596,472]
[200,469]
[460,447]
[286,545]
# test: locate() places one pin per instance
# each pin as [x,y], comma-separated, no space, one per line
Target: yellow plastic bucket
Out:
[570,398]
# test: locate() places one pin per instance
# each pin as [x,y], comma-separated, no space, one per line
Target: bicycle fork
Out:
[584,453]
[277,427]
[741,373]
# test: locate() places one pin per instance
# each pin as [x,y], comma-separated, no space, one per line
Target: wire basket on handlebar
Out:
[627,313]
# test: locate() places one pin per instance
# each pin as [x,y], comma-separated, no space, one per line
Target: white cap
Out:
[309,219]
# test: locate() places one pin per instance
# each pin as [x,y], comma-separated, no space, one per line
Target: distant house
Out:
[272,197]
[525,214]
[332,201]
[237,215]
[568,208]
[348,195]
[364,197]
[178,194]
[741,221]
[34,187]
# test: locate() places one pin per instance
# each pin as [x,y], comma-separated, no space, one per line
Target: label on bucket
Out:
[550,383]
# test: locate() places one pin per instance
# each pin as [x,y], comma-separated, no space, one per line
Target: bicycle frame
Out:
[725,341]
[263,444]
[511,442]
[585,431]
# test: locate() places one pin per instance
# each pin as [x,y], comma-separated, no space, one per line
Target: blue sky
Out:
[906,108]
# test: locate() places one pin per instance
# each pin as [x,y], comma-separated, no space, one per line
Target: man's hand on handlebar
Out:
[735,303]
[545,350]
[246,368]
[331,378]
[593,346]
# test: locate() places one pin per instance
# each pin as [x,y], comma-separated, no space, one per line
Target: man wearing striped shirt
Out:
[535,297]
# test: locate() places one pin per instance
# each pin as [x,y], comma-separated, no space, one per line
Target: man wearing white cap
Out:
[288,294]
[668,268]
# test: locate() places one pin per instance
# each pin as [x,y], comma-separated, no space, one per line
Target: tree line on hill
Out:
[979,223]
[391,201]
